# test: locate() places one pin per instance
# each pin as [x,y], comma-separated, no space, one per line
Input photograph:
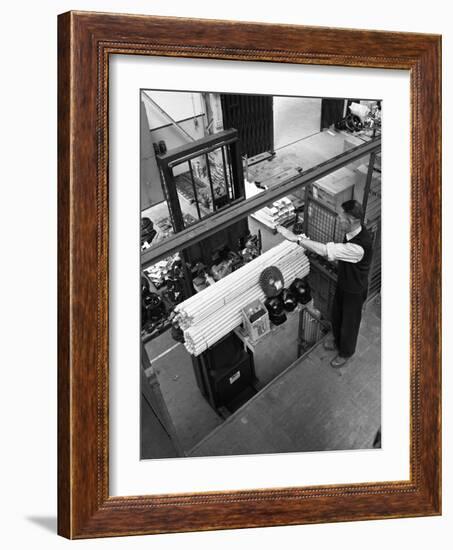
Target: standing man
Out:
[354,261]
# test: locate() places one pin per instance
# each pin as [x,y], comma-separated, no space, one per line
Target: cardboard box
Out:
[359,188]
[335,189]
[256,320]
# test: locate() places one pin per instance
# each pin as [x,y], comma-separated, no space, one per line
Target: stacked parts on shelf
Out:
[280,213]
[215,311]
[159,271]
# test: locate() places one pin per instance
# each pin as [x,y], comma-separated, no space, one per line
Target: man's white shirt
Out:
[346,252]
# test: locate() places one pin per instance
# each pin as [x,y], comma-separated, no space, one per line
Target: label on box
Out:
[235,377]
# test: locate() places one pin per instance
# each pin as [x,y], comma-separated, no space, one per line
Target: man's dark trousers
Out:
[346,317]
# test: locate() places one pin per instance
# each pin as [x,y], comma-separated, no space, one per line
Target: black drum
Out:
[301,290]
[153,309]
[147,231]
[289,299]
[276,309]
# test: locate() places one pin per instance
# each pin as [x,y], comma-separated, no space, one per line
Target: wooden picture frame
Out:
[85,41]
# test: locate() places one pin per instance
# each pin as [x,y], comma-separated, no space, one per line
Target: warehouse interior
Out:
[233,316]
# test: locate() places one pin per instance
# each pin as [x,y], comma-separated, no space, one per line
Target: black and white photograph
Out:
[236,339]
[260,274]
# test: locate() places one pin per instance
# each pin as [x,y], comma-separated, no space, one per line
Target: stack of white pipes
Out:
[211,314]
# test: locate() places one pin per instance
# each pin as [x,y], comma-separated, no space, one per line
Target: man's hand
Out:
[307,244]
[287,234]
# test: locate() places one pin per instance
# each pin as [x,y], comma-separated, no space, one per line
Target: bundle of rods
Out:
[211,314]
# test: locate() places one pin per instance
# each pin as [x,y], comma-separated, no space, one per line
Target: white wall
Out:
[28,329]
[179,106]
[187,110]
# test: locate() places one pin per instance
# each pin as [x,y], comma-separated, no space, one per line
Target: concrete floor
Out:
[308,407]
[307,153]
[154,442]
[311,406]
[193,418]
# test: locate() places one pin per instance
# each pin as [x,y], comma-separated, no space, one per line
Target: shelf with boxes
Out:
[162,288]
[280,212]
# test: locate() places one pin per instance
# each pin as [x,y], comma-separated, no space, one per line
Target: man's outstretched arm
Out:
[346,252]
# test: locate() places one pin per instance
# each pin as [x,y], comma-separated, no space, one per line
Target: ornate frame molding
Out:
[86,40]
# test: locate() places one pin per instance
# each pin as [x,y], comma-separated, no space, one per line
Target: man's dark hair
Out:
[353,208]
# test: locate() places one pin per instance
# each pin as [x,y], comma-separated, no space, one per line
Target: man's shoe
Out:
[339,362]
[329,345]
